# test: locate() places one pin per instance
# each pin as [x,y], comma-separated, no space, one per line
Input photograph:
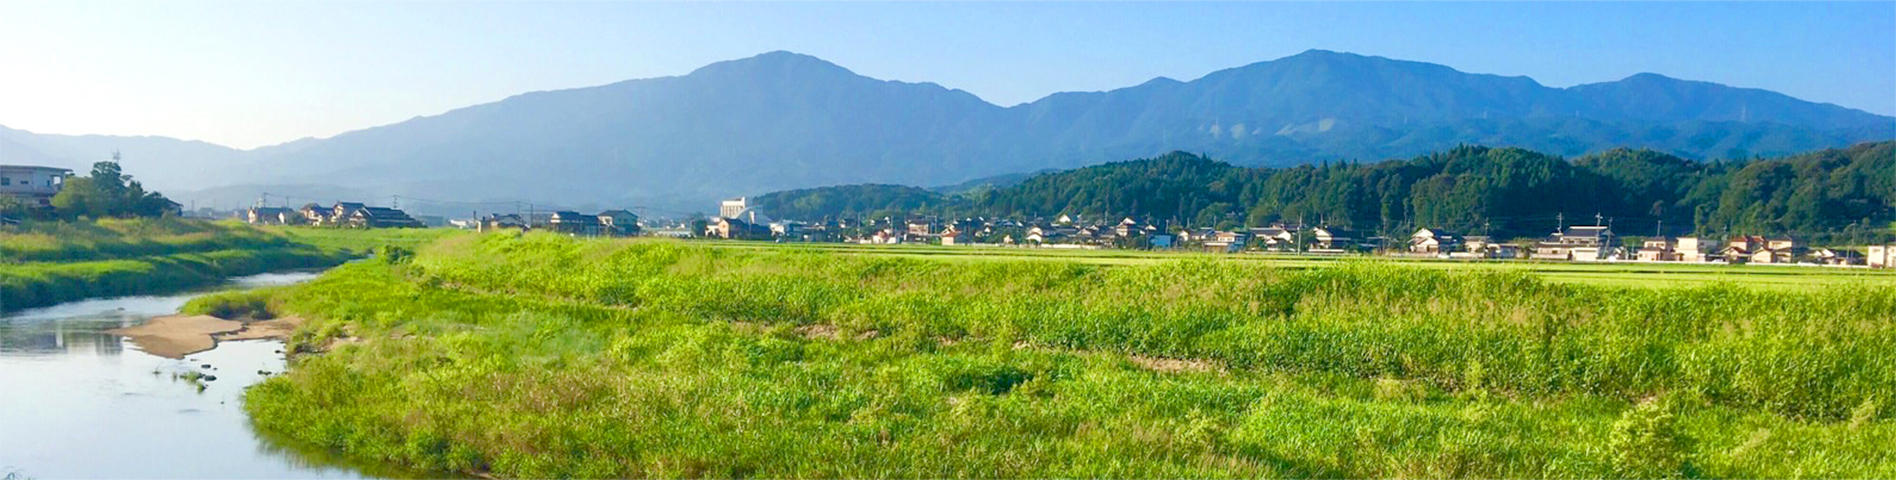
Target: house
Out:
[1331,240]
[1505,250]
[1584,243]
[1881,256]
[1276,237]
[1758,249]
[1657,249]
[1433,241]
[1226,242]
[619,222]
[317,214]
[951,237]
[736,229]
[1690,249]
[922,227]
[1838,256]
[1046,235]
[787,229]
[35,186]
[1129,228]
[575,223]
[378,217]
[343,211]
[499,222]
[272,216]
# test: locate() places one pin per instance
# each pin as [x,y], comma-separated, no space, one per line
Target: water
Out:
[79,403]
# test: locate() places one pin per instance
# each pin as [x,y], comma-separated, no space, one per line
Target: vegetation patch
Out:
[545,356]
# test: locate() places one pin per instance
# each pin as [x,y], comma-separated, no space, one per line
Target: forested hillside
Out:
[1838,195]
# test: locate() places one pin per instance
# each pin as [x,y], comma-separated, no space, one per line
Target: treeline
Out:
[1838,195]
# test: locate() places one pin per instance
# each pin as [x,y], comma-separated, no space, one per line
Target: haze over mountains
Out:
[783,120]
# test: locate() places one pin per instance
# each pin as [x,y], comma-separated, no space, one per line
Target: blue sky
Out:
[260,73]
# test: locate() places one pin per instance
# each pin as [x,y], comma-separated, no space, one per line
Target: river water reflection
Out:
[78,403]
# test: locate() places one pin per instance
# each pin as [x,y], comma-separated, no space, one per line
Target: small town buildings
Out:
[32,185]
[1758,249]
[1433,241]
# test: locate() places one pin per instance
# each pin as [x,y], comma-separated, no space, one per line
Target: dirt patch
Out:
[1174,365]
[177,336]
[278,329]
[818,331]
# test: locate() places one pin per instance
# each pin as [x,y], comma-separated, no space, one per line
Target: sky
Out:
[261,73]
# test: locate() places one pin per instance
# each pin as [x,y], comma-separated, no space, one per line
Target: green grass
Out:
[551,357]
[43,263]
[108,239]
[361,242]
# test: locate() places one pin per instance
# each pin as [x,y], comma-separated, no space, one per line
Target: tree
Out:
[108,192]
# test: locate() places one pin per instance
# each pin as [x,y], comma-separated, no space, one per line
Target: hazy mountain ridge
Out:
[782,120]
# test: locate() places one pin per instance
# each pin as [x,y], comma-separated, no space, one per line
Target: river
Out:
[79,403]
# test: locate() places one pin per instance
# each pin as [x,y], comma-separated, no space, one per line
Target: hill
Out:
[1836,194]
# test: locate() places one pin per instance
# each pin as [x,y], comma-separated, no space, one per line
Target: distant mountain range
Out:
[783,120]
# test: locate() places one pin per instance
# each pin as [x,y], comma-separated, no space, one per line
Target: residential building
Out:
[499,222]
[575,223]
[32,185]
[1275,237]
[272,216]
[1758,249]
[1328,239]
[1881,256]
[1838,256]
[619,222]
[1433,241]
[736,229]
[378,217]
[1658,249]
[1226,242]
[1583,243]
[1690,249]
[317,214]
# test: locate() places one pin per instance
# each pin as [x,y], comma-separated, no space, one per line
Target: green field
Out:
[1645,275]
[549,357]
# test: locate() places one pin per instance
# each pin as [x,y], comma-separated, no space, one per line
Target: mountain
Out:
[782,120]
[1834,195]
[158,162]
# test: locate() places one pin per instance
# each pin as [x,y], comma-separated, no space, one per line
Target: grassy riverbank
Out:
[552,357]
[43,263]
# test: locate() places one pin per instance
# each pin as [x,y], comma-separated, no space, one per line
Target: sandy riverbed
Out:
[180,335]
